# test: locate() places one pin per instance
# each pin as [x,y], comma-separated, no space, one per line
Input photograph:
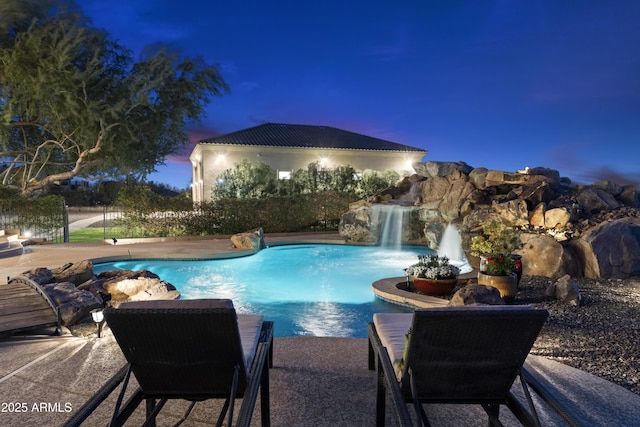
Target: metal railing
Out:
[52,222]
[48,224]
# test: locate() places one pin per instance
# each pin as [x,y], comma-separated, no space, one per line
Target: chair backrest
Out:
[469,354]
[180,348]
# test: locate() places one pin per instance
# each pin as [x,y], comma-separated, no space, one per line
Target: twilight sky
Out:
[499,84]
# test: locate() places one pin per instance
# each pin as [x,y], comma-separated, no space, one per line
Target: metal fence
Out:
[50,221]
[54,222]
[46,224]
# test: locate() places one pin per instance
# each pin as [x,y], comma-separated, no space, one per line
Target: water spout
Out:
[451,246]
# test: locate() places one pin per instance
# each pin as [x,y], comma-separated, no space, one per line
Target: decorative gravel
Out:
[600,336]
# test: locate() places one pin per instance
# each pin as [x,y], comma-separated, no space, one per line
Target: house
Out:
[289,147]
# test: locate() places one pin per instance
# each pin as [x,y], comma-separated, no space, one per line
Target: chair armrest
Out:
[386,375]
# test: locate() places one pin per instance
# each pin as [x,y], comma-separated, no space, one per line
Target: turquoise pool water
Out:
[317,290]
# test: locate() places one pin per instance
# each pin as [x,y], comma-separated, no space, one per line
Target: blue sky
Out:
[497,84]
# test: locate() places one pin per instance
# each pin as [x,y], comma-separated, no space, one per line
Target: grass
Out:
[87,235]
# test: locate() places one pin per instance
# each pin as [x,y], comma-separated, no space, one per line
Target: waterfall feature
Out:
[412,195]
[451,246]
[391,220]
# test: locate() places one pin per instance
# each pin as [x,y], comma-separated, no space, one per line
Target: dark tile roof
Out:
[306,136]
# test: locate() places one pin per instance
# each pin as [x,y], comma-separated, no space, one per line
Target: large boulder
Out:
[629,196]
[453,203]
[250,240]
[557,218]
[611,249]
[538,189]
[594,200]
[73,304]
[431,169]
[40,275]
[75,273]
[355,225]
[433,191]
[75,300]
[127,285]
[565,289]
[542,255]
[513,211]
[475,294]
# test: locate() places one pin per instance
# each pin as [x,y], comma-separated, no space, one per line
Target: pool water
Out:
[317,290]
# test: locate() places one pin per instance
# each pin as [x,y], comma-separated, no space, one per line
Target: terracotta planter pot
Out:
[507,285]
[433,286]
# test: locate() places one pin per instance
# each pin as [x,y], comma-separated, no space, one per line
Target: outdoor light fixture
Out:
[98,317]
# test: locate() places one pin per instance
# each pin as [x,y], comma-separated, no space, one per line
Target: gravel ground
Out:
[600,336]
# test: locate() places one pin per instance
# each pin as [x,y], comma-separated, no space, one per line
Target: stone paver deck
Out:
[314,382]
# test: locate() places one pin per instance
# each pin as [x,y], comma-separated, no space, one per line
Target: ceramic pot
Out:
[507,285]
[434,286]
[517,258]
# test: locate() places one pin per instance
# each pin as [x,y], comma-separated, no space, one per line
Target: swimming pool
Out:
[306,289]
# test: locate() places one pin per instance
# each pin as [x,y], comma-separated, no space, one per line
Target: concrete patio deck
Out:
[314,382]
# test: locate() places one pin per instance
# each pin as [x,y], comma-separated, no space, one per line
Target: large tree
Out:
[73,103]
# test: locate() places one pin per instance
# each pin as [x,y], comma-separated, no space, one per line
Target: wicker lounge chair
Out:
[189,349]
[461,355]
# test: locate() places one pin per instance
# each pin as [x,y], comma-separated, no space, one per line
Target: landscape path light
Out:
[98,317]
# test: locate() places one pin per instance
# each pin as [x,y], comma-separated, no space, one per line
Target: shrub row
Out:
[169,217]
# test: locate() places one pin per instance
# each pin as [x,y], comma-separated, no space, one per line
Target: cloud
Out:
[567,159]
[605,173]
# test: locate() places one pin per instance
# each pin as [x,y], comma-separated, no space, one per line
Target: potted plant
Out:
[433,275]
[500,266]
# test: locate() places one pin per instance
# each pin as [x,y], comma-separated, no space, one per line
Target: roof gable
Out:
[306,136]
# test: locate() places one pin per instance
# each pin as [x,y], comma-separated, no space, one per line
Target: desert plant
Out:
[497,238]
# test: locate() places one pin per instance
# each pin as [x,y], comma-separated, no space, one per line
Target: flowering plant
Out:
[499,265]
[496,246]
[432,267]
[496,238]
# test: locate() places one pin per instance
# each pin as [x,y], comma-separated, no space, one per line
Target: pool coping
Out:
[152,254]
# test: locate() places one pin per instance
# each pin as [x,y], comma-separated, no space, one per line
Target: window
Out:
[284,174]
